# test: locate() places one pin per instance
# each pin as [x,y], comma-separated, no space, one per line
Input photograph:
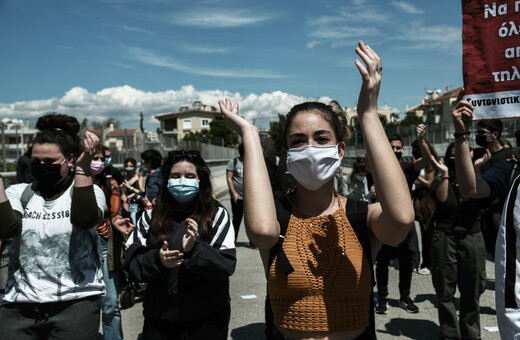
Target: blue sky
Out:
[116,58]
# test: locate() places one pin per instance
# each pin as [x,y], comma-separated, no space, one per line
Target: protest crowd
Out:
[79,237]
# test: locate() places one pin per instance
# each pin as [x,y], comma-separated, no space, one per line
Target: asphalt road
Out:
[248,294]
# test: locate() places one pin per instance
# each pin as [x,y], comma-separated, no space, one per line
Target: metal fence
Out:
[209,152]
[438,135]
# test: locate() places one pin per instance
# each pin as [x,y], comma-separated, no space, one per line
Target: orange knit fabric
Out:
[330,287]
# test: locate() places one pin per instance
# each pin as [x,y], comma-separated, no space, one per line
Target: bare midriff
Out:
[291,334]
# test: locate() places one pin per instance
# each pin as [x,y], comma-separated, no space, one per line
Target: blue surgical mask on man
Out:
[183,190]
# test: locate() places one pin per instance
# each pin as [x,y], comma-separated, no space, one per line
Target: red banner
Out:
[491,57]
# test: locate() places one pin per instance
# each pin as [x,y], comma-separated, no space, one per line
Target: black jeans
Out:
[237,209]
[458,260]
[76,319]
[404,254]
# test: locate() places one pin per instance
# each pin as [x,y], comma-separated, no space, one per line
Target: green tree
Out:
[203,136]
[411,119]
[276,132]
[220,131]
[106,123]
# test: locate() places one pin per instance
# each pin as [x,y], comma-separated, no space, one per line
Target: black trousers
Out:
[211,327]
[458,260]
[76,319]
[404,254]
[237,209]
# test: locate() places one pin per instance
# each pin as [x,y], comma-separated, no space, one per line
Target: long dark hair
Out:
[203,208]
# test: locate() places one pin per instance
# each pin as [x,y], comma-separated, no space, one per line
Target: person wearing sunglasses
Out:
[56,274]
[184,249]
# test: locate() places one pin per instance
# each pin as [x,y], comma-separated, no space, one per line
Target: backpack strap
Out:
[283,214]
[357,215]
[27,194]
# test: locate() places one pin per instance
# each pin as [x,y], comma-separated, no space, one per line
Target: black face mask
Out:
[47,176]
[481,140]
[398,155]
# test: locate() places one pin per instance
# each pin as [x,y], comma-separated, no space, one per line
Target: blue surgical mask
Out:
[130,171]
[360,178]
[108,161]
[183,190]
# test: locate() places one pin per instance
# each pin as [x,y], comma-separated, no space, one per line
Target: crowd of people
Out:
[76,228]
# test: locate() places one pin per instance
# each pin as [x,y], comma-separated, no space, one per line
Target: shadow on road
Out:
[413,329]
[254,331]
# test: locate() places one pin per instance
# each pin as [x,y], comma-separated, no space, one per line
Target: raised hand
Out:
[421,131]
[371,74]
[462,114]
[233,119]
[90,145]
[191,236]
[124,226]
[170,258]
[486,157]
[439,165]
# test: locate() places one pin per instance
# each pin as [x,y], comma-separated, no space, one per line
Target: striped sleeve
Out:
[222,231]
[140,233]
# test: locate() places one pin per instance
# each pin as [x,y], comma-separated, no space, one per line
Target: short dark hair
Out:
[493,125]
[395,137]
[153,157]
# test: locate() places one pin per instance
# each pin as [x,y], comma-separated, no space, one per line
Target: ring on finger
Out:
[379,68]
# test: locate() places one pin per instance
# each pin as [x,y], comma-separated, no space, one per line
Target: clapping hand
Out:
[191,236]
[170,258]
[371,74]
[233,119]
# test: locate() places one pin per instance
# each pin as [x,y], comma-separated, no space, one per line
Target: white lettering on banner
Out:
[504,32]
[517,6]
[506,75]
[510,52]
[502,10]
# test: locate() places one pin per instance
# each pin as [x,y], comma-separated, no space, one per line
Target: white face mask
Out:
[313,166]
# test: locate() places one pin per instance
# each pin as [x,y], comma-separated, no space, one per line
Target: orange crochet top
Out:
[330,287]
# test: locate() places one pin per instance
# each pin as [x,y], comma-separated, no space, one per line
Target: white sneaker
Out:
[424,271]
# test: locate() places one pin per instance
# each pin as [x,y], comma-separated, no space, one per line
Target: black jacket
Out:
[199,287]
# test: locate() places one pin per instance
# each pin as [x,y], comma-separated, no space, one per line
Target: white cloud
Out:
[441,37]
[149,57]
[125,103]
[216,18]
[135,29]
[407,7]
[313,43]
[204,49]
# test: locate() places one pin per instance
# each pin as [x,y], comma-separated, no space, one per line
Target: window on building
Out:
[205,123]
[186,124]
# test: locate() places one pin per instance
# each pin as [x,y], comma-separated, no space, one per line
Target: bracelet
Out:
[464,136]
[445,177]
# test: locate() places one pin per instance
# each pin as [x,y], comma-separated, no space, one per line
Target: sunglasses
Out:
[184,153]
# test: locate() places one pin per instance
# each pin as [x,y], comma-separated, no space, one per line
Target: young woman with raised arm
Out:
[327,293]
